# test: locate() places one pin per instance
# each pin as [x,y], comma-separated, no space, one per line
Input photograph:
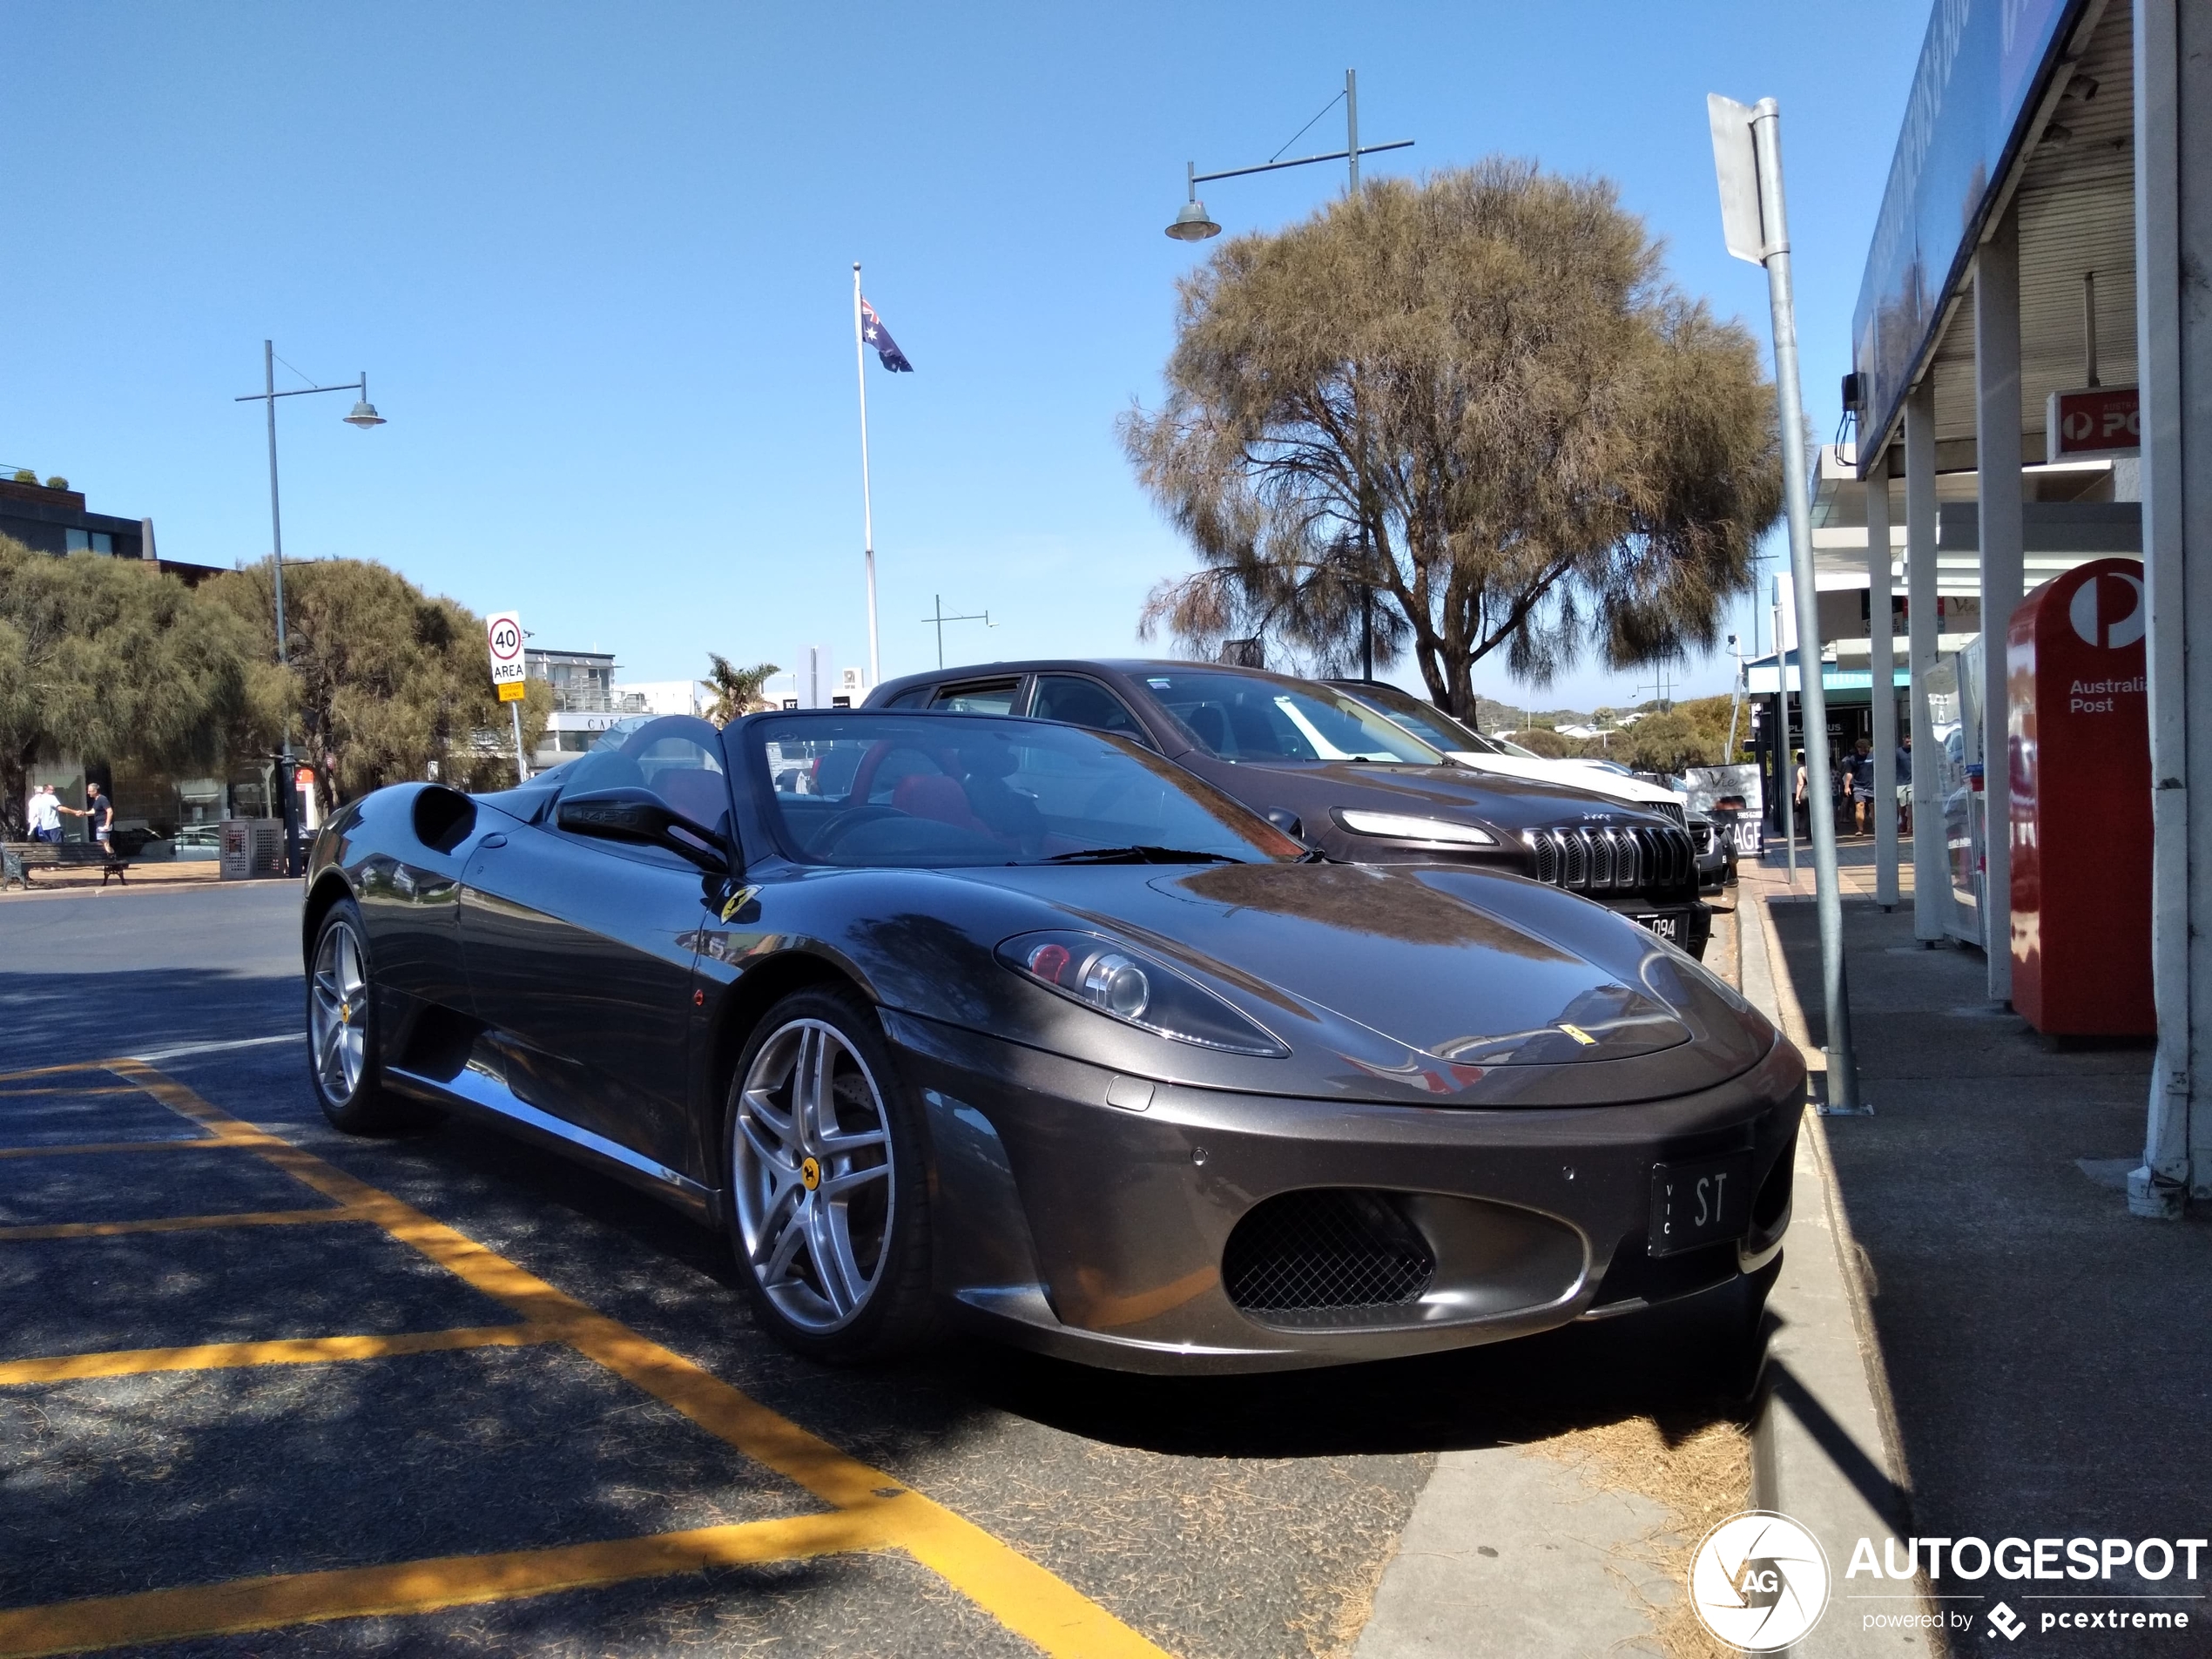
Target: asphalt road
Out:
[1247,1516]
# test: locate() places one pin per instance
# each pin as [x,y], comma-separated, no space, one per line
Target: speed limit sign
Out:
[503,635]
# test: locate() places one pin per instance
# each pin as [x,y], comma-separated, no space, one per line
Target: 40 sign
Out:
[503,638]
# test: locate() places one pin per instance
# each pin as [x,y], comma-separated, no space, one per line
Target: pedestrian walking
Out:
[1905,785]
[45,815]
[1862,786]
[1802,813]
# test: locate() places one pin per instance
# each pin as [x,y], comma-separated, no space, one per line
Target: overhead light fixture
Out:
[1191,224]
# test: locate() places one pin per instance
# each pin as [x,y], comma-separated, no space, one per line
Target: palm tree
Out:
[736,691]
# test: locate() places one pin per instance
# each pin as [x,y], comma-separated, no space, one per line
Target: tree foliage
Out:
[385,678]
[111,659]
[736,691]
[1478,394]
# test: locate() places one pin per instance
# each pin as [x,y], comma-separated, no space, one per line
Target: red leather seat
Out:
[931,794]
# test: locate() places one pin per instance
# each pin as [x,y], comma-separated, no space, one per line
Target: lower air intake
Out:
[1327,1249]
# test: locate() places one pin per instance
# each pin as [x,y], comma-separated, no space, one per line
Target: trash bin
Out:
[2079,739]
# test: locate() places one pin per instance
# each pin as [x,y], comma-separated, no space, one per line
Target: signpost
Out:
[503,636]
[1747,159]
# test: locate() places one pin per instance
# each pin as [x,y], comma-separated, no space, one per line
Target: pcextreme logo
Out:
[1759,1580]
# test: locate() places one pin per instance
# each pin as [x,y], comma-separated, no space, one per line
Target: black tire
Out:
[344,1052]
[778,1158]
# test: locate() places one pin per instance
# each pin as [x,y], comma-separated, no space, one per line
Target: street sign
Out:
[503,635]
[511,690]
[2101,421]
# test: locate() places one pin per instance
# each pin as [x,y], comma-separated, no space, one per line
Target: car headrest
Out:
[1209,725]
[931,794]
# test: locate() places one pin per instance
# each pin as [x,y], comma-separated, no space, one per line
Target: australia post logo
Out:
[1759,1582]
[2106,610]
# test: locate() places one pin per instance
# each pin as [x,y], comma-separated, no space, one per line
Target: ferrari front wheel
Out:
[342,1030]
[828,1202]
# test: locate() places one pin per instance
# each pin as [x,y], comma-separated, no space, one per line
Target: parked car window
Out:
[1423,719]
[1084,702]
[677,756]
[978,696]
[913,699]
[1243,717]
[922,790]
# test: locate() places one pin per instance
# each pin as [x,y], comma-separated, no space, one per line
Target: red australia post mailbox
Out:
[2079,721]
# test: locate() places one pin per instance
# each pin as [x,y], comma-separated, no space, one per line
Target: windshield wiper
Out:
[1139,855]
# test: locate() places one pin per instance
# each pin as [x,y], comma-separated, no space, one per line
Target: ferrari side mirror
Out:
[640,815]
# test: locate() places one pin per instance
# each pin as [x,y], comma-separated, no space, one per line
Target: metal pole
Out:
[1931,876]
[937,615]
[1997,464]
[1367,631]
[1882,678]
[867,509]
[289,811]
[1786,774]
[1843,1076]
[1351,129]
[522,764]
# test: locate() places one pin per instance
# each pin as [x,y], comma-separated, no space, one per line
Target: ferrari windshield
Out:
[907,790]
[1244,717]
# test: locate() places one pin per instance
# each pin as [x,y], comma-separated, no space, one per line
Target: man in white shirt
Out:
[45,815]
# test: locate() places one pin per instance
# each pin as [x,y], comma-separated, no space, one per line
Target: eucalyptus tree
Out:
[1478,398]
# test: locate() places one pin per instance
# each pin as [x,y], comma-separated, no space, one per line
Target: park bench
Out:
[19,859]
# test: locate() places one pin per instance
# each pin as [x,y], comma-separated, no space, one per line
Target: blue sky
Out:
[596,263]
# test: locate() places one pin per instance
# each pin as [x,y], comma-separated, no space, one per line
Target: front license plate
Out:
[1698,1204]
[1668,928]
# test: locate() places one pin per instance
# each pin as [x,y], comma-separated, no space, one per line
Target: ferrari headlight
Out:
[1135,989]
[1406,827]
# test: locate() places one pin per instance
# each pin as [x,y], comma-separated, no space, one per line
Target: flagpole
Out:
[867,509]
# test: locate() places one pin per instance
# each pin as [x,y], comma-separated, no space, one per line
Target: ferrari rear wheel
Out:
[342,1030]
[829,1209]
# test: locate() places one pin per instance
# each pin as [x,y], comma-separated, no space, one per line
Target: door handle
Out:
[493,840]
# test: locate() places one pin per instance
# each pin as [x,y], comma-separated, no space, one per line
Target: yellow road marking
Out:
[1012,1588]
[22,1094]
[297,1351]
[421,1586]
[105,1146]
[176,1223]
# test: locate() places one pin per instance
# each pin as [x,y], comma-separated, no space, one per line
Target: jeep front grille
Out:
[1612,858]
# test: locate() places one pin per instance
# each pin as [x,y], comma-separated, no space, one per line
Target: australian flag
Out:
[876,335]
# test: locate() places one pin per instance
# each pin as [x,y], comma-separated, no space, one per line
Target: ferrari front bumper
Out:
[1098,1231]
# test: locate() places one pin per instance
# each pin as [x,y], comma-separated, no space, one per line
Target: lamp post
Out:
[1191,224]
[362,416]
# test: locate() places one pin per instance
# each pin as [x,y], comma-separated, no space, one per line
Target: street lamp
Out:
[1191,224]
[364,416]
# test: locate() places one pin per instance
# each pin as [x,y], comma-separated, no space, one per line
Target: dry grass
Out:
[1699,1469]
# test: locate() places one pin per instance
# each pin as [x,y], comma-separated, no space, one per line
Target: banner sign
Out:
[1982,65]
[2102,422]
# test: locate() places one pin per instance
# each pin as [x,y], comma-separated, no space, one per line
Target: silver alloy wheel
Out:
[339,1016]
[811,1167]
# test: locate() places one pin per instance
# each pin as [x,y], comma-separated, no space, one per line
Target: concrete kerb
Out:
[1825,1449]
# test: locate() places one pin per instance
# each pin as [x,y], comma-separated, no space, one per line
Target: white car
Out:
[1470,748]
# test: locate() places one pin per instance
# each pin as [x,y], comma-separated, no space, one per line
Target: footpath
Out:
[2047,1358]
[1573,1543]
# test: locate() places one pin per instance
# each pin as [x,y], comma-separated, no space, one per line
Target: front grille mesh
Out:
[1325,1249]
[1668,809]
[1620,859]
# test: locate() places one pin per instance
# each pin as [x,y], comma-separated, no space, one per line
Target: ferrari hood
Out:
[1428,978]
